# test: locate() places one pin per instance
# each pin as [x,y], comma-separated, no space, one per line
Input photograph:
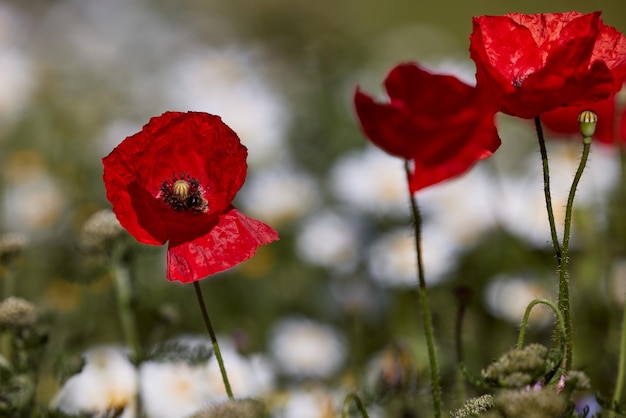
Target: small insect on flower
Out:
[182,192]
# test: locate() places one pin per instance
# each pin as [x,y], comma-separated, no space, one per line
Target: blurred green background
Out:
[76,77]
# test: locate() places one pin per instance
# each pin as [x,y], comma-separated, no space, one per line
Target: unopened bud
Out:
[17,313]
[237,408]
[99,228]
[12,244]
[588,120]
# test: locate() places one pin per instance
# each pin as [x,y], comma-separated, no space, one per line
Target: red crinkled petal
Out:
[610,48]
[235,238]
[547,28]
[572,59]
[504,49]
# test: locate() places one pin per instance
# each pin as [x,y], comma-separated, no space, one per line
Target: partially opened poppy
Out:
[442,125]
[174,182]
[534,63]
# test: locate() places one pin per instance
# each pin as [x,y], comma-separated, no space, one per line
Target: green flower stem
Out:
[428,328]
[462,297]
[345,412]
[531,305]
[564,305]
[6,338]
[546,189]
[124,295]
[621,368]
[216,347]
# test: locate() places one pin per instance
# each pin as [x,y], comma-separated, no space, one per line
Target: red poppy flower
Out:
[534,63]
[174,182]
[438,122]
[564,120]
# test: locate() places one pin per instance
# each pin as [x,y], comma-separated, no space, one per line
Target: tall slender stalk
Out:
[124,309]
[564,304]
[621,368]
[428,327]
[619,226]
[216,347]
[546,189]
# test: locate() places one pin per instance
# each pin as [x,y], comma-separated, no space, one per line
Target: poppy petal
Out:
[235,238]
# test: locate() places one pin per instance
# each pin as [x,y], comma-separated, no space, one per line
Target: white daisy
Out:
[371,181]
[278,195]
[329,240]
[18,79]
[229,82]
[303,348]
[33,200]
[107,381]
[507,297]
[392,259]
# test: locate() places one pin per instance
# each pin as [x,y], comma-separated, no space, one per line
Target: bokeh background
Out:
[78,76]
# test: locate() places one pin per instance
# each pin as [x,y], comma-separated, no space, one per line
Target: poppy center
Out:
[183,192]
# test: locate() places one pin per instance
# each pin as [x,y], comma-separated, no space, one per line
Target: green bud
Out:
[588,121]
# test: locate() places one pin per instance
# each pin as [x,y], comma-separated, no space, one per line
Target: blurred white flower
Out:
[33,200]
[371,181]
[229,82]
[507,297]
[308,403]
[173,390]
[18,79]
[114,133]
[250,376]
[303,348]
[278,195]
[462,208]
[107,381]
[392,260]
[522,209]
[330,240]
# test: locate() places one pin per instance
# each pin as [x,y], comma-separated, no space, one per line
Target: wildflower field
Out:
[291,209]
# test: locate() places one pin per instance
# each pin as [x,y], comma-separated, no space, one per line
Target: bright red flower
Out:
[438,122]
[534,63]
[174,182]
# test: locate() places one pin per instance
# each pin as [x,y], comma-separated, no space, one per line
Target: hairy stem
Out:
[564,304]
[423,295]
[546,190]
[216,347]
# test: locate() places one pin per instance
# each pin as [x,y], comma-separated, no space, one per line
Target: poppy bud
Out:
[588,121]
